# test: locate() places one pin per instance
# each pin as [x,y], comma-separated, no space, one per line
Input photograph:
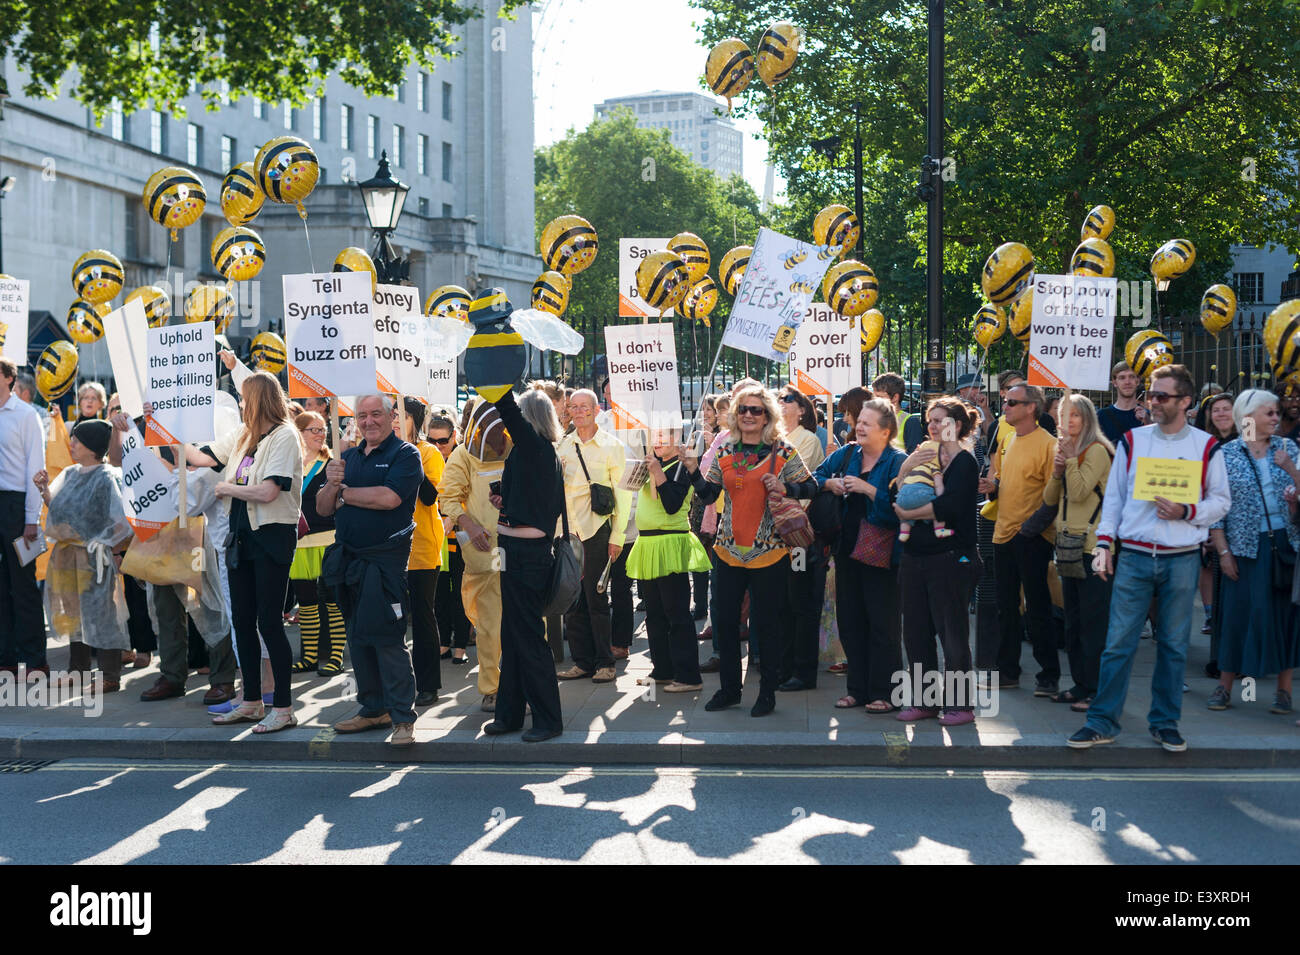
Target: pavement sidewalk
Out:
[626,723]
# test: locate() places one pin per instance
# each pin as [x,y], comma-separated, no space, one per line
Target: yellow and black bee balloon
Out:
[175,198]
[86,321]
[732,267]
[662,280]
[873,326]
[551,293]
[449,301]
[1098,223]
[1282,337]
[1019,316]
[836,227]
[267,352]
[241,196]
[700,301]
[778,48]
[353,259]
[157,304]
[729,69]
[1218,308]
[496,356]
[990,325]
[693,251]
[210,303]
[1093,257]
[56,369]
[1172,260]
[238,253]
[568,244]
[1148,350]
[850,288]
[287,171]
[1008,273]
[97,276]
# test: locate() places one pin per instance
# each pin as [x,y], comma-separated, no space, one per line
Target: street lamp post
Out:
[384,198]
[6,184]
[934,383]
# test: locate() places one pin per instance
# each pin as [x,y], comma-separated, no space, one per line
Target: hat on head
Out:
[968,381]
[94,436]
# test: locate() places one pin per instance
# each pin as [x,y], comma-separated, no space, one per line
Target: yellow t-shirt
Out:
[1022,472]
[426,545]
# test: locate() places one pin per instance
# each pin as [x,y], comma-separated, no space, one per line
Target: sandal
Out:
[1066,696]
[847,703]
[1081,706]
[275,721]
[880,706]
[241,715]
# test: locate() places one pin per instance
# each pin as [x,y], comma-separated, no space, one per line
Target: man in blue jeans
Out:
[1161,558]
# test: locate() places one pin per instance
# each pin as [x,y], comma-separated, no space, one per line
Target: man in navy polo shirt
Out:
[371,492]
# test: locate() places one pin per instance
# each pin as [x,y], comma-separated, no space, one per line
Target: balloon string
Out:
[178,302]
[307,233]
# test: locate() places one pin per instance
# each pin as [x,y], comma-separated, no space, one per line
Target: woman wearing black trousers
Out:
[531,499]
[453,625]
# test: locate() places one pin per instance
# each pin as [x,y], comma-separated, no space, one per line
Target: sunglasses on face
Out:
[441,440]
[1012,402]
[752,410]
[1162,396]
[789,399]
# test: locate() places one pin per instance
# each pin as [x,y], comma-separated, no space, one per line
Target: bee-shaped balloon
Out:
[241,196]
[990,325]
[777,50]
[238,253]
[287,171]
[174,198]
[850,288]
[700,300]
[693,252]
[157,304]
[873,326]
[1020,315]
[449,301]
[1008,272]
[729,69]
[732,267]
[792,257]
[97,276]
[56,369]
[496,356]
[837,227]
[267,352]
[1148,350]
[86,321]
[210,303]
[353,259]
[551,293]
[662,280]
[1282,337]
[568,245]
[1218,308]
[1172,260]
[1093,257]
[1098,223]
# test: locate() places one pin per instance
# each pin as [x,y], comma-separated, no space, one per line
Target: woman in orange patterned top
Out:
[754,466]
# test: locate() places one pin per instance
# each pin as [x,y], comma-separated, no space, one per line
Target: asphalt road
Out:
[111,812]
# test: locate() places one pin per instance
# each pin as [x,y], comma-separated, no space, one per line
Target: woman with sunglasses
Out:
[322,633]
[753,469]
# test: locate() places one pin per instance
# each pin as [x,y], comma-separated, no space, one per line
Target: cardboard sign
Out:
[127,335]
[631,252]
[1174,480]
[825,358]
[329,334]
[181,384]
[151,492]
[442,384]
[772,300]
[400,358]
[14,296]
[643,385]
[1071,331]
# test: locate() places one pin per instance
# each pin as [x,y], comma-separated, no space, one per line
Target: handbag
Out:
[566,573]
[602,495]
[1281,558]
[1069,546]
[788,516]
[874,546]
[826,511]
[167,558]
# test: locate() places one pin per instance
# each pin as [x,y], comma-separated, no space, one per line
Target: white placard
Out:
[329,334]
[151,494]
[826,356]
[1072,331]
[14,296]
[631,252]
[400,357]
[643,386]
[127,335]
[772,299]
[181,384]
[442,384]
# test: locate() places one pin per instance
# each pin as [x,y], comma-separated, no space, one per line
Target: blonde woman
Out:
[1078,480]
[262,470]
[755,466]
[320,624]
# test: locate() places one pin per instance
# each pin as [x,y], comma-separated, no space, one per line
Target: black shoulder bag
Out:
[566,572]
[1281,556]
[602,495]
[826,510]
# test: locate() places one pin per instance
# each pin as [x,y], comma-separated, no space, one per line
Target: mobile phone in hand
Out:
[495,488]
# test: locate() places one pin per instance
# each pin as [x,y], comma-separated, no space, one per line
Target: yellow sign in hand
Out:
[1174,480]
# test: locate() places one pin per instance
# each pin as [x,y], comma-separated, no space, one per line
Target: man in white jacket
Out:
[1160,542]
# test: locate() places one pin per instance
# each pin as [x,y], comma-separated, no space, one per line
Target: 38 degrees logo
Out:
[76,908]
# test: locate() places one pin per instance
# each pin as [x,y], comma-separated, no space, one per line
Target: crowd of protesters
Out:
[418,535]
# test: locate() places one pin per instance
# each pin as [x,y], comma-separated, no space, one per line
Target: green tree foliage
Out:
[634,183]
[1183,122]
[150,51]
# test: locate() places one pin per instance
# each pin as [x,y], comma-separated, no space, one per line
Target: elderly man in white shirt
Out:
[22,455]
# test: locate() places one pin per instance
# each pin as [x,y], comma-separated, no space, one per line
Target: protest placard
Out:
[181,384]
[631,252]
[643,385]
[442,384]
[824,359]
[151,495]
[401,367]
[329,334]
[1071,331]
[127,335]
[14,296]
[774,294]
[1175,480]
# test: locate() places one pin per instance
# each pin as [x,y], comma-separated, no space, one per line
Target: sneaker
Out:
[1281,702]
[1088,737]
[1046,689]
[1219,699]
[914,713]
[838,668]
[573,673]
[403,734]
[489,704]
[1170,740]
[603,675]
[956,717]
[710,665]
[991,681]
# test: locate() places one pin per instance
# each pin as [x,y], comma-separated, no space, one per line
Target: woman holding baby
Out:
[941,564]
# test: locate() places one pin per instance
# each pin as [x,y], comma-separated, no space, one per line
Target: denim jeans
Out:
[1139,577]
